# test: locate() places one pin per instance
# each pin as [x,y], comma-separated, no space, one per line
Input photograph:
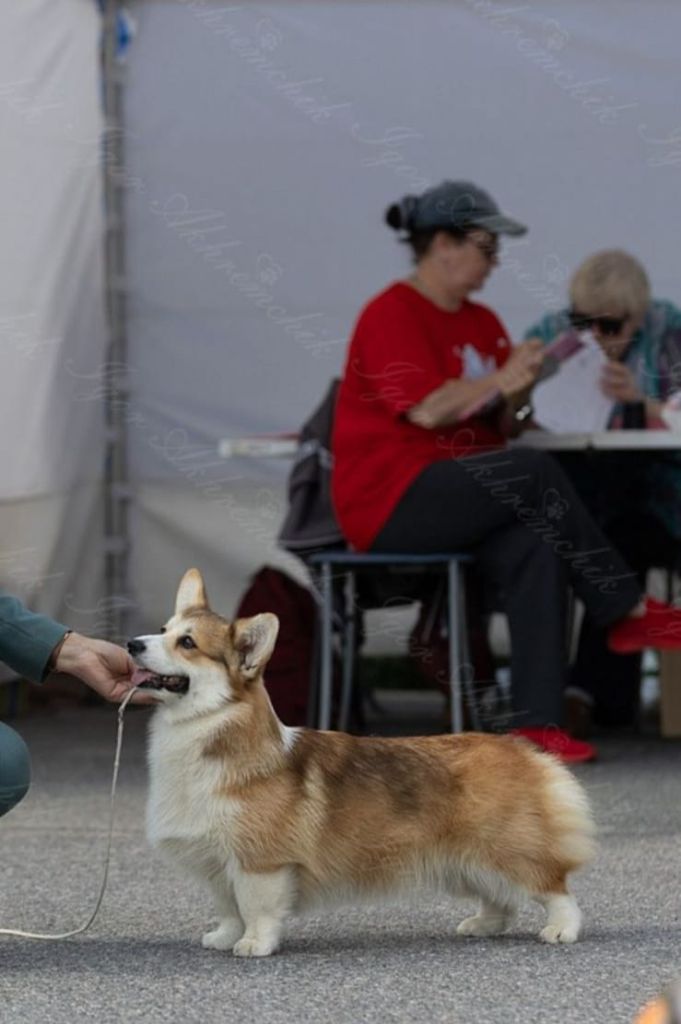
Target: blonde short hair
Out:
[610,283]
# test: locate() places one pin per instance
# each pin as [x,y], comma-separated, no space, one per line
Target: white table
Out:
[609,440]
[258,447]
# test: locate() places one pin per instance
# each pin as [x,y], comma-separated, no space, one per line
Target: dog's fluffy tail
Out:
[569,811]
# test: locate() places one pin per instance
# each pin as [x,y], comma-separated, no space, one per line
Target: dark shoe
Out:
[578,715]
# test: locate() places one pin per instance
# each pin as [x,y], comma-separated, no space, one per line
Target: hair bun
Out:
[393,216]
[399,216]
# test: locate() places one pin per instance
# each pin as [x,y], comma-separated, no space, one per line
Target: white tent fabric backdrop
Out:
[264,141]
[52,327]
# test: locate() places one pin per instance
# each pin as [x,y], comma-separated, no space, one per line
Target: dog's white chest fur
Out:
[184,805]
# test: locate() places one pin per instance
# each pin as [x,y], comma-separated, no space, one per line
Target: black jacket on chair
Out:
[310,524]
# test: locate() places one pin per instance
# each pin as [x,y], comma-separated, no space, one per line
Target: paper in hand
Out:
[571,400]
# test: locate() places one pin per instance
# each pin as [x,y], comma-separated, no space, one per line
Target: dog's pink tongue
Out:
[140,675]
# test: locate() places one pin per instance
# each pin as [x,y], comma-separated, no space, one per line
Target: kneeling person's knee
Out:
[15,769]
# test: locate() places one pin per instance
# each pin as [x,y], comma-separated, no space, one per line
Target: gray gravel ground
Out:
[142,959]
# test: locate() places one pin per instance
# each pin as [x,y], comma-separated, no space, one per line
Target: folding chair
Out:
[327,566]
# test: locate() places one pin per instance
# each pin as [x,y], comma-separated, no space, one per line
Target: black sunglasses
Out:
[608,326]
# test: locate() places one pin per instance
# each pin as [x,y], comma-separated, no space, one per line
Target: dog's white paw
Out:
[555,933]
[482,925]
[254,947]
[224,936]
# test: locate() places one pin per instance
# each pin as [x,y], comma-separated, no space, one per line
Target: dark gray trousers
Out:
[532,538]
[15,768]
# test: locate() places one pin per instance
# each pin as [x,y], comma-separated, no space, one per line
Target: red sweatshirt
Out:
[404,347]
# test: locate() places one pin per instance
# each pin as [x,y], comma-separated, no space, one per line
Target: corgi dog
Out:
[275,820]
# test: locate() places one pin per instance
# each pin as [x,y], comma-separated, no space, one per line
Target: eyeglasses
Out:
[489,247]
[608,326]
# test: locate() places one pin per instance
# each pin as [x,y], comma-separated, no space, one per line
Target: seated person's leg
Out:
[604,688]
[15,768]
[532,587]
[495,504]
[611,683]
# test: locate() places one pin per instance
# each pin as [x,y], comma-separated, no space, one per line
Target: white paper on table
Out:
[571,401]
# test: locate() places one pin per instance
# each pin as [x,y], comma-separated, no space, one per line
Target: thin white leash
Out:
[114,780]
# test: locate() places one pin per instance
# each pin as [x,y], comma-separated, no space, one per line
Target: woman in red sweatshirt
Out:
[432,388]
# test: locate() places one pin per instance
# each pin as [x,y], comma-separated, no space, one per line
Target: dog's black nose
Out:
[136,646]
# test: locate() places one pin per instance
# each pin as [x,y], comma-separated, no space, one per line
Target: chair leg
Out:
[453,606]
[315,665]
[349,645]
[326,681]
[467,665]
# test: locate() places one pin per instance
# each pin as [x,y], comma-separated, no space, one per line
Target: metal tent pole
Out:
[115,373]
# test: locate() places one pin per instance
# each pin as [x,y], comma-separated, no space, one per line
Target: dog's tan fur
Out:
[277,819]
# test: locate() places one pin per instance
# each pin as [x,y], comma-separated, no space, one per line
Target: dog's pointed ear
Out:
[191,592]
[254,641]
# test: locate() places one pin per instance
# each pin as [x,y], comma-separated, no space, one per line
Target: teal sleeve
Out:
[671,314]
[548,328]
[26,639]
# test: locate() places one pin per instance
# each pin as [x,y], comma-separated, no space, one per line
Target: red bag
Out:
[289,671]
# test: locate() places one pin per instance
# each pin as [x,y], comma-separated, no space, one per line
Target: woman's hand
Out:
[618,383]
[519,373]
[105,667]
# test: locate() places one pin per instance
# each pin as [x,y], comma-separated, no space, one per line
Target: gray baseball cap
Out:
[457,203]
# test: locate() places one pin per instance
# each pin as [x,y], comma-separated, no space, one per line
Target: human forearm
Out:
[26,638]
[458,399]
[449,402]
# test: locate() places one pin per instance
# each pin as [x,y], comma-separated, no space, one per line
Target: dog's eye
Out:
[186,642]
[162,629]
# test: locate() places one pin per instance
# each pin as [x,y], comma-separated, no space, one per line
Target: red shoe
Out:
[559,743]
[659,627]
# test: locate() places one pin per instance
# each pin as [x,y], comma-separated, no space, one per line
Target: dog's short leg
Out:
[564,917]
[264,900]
[491,919]
[230,926]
